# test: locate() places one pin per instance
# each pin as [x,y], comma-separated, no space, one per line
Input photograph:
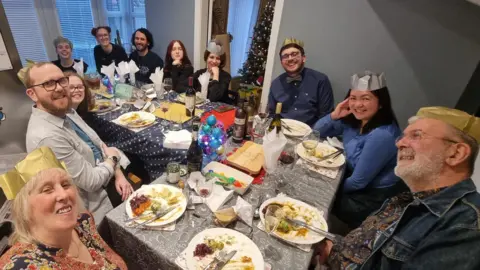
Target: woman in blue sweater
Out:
[368,125]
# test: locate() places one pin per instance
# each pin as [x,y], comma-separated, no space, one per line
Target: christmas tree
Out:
[254,67]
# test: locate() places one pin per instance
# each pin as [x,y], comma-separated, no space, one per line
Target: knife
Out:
[329,236]
[225,260]
[157,216]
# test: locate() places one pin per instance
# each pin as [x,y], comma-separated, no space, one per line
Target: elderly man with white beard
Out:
[436,225]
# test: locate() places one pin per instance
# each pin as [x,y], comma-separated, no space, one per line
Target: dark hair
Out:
[223,58]
[147,34]
[86,105]
[384,115]
[95,30]
[169,59]
[291,45]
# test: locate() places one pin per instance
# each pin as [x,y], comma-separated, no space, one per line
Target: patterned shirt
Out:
[39,256]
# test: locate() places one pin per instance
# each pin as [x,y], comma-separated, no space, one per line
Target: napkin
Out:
[133,69]
[273,145]
[218,197]
[157,76]
[78,66]
[335,142]
[178,139]
[109,71]
[204,79]
[194,178]
[244,211]
[122,70]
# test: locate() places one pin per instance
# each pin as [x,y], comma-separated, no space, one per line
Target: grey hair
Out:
[60,40]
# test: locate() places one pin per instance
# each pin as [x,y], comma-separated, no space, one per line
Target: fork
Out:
[216,260]
[332,159]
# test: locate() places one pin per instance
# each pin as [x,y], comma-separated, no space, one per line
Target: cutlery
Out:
[329,236]
[332,159]
[225,259]
[160,214]
[329,156]
[216,260]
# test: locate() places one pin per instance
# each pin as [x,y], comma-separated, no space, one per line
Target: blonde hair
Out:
[21,208]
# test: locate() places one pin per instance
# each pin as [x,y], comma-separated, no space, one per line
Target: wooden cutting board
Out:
[248,158]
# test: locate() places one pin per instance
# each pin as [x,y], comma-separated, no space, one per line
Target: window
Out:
[76,21]
[25,26]
[125,16]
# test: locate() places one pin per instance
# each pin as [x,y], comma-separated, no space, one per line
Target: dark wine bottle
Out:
[250,111]
[194,153]
[190,98]
[277,119]
[239,124]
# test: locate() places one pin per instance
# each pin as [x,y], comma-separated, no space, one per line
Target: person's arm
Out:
[457,247]
[325,98]
[85,176]
[180,77]
[380,147]
[217,89]
[329,127]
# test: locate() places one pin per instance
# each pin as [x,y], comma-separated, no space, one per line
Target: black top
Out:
[217,90]
[179,75]
[146,65]
[117,54]
[70,68]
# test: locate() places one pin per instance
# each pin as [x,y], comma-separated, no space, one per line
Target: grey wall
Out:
[428,48]
[16,105]
[169,20]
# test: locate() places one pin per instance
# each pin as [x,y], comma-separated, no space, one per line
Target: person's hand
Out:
[342,110]
[123,186]
[215,72]
[110,151]
[177,62]
[323,251]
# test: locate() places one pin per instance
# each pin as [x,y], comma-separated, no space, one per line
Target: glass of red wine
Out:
[204,189]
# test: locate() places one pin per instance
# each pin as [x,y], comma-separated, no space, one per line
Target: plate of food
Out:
[198,99]
[151,198]
[204,246]
[103,105]
[298,210]
[228,177]
[321,151]
[136,119]
[294,128]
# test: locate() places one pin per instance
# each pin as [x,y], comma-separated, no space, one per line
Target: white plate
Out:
[230,172]
[170,217]
[198,99]
[298,129]
[326,149]
[244,247]
[106,102]
[317,220]
[146,118]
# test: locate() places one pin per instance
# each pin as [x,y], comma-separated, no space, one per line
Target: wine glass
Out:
[204,189]
[271,224]
[310,142]
[164,107]
[167,85]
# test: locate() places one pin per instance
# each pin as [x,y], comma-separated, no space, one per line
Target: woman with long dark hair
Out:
[367,123]
[177,66]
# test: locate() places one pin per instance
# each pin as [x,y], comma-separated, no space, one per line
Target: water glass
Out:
[159,91]
[125,108]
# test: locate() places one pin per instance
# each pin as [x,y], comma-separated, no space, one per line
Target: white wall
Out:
[428,48]
[169,20]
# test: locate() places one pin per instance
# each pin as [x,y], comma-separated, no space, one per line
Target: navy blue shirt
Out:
[305,101]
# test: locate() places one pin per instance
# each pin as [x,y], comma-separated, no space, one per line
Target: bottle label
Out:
[190,102]
[193,166]
[251,118]
[239,121]
[194,135]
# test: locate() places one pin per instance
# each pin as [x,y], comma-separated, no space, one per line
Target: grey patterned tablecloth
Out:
[148,249]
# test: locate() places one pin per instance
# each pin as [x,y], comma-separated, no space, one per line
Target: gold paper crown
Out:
[467,123]
[38,160]
[292,40]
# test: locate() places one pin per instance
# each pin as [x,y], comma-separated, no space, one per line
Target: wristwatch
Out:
[114,159]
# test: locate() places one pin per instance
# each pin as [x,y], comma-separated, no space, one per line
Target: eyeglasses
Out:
[418,135]
[51,85]
[287,56]
[74,88]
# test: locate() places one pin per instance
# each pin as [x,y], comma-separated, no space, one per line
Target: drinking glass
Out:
[167,84]
[125,108]
[164,107]
[310,142]
[159,91]
[204,189]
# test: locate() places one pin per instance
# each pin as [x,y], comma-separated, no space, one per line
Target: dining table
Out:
[155,249]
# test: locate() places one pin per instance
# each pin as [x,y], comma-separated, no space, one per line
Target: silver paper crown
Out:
[215,48]
[368,82]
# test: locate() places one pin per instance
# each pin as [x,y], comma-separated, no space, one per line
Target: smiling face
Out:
[103,37]
[363,104]
[53,202]
[141,42]
[213,60]
[292,60]
[56,102]
[64,50]
[77,90]
[177,51]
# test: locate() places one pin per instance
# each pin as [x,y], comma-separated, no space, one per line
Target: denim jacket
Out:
[441,231]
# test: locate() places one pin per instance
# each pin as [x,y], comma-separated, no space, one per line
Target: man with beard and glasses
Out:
[306,95]
[436,224]
[143,56]
[49,126]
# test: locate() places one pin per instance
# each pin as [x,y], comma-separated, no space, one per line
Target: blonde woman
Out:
[51,228]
